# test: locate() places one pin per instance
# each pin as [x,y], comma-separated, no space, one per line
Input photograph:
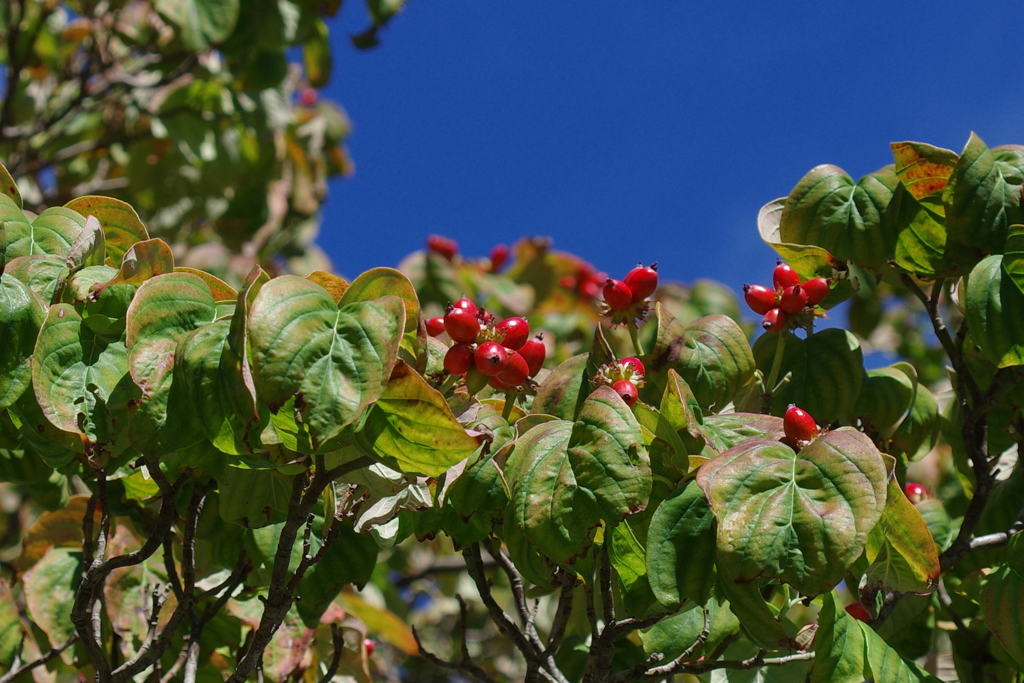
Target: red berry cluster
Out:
[499,254]
[789,297]
[625,376]
[626,300]
[586,282]
[501,350]
[799,426]
[448,249]
[444,247]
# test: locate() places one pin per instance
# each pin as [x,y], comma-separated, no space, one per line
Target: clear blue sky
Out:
[646,131]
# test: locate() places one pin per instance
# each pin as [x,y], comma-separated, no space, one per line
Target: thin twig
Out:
[14,673]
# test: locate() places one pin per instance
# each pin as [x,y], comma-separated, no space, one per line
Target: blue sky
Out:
[645,131]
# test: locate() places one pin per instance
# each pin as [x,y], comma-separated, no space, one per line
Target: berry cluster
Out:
[626,299]
[448,249]
[586,282]
[625,376]
[799,426]
[500,350]
[789,298]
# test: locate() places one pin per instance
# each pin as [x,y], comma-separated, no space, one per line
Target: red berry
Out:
[490,358]
[534,352]
[793,299]
[783,276]
[515,330]
[447,248]
[435,326]
[499,254]
[515,371]
[816,289]
[588,289]
[307,97]
[617,294]
[799,425]
[467,304]
[774,320]
[858,611]
[627,390]
[643,280]
[916,492]
[496,383]
[759,298]
[369,646]
[461,325]
[459,359]
[635,364]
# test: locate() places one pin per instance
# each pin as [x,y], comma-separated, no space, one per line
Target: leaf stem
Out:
[634,336]
[510,402]
[773,374]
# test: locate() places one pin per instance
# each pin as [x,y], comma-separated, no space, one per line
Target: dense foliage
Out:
[204,115]
[201,478]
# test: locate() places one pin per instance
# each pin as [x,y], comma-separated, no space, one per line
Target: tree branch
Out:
[14,673]
[465,663]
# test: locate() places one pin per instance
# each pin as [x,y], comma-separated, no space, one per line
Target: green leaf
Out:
[201,23]
[43,273]
[1013,256]
[711,354]
[316,55]
[254,498]
[122,226]
[564,389]
[378,282]
[51,232]
[11,634]
[902,553]
[886,397]
[995,313]
[412,427]
[165,309]
[89,248]
[983,197]
[919,432]
[1002,602]
[80,381]
[849,651]
[757,619]
[827,209]
[50,592]
[334,361]
[923,169]
[672,635]
[730,429]
[21,315]
[807,260]
[802,518]
[204,367]
[681,548]
[628,558]
[143,261]
[350,559]
[566,477]
[920,229]
[8,187]
[825,372]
